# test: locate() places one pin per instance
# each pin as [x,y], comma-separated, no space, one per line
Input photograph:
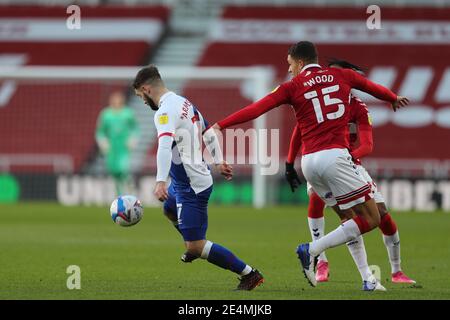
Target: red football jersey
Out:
[320,98]
[359,128]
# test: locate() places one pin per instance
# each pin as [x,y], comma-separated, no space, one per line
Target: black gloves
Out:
[292,177]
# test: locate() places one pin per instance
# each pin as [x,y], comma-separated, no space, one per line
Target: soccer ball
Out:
[126,210]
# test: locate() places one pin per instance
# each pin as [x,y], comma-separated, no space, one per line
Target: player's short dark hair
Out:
[147,75]
[345,65]
[305,51]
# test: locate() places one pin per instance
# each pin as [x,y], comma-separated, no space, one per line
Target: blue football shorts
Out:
[191,210]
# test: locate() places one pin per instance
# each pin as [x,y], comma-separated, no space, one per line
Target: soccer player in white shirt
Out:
[180,129]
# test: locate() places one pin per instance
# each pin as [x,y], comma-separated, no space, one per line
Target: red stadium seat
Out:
[65,124]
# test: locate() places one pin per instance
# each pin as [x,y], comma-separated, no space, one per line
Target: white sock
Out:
[358,252]
[206,249]
[392,244]
[246,270]
[317,229]
[345,232]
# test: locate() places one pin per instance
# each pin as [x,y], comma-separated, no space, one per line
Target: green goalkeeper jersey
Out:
[118,127]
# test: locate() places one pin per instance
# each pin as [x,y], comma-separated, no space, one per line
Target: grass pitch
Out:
[38,241]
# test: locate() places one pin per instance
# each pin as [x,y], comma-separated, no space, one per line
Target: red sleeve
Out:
[295,145]
[278,97]
[359,82]
[362,118]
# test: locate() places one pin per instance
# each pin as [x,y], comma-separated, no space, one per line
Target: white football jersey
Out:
[179,118]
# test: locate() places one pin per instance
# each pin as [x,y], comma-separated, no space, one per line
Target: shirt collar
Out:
[311,65]
[164,96]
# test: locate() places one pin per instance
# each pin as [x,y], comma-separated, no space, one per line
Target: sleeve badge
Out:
[163,119]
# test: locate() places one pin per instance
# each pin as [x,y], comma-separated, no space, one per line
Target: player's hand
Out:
[226,170]
[400,103]
[160,191]
[292,176]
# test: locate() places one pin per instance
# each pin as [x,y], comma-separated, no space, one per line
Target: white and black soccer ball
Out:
[126,210]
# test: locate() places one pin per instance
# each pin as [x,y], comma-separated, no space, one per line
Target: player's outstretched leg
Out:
[224,258]
[192,213]
[391,240]
[316,223]
[366,220]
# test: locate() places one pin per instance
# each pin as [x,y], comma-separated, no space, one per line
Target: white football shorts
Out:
[334,176]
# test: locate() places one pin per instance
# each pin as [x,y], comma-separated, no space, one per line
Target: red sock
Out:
[362,224]
[315,206]
[387,225]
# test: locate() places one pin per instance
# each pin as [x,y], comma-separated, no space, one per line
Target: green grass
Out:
[38,241]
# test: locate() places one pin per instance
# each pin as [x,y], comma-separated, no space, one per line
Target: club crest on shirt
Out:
[163,118]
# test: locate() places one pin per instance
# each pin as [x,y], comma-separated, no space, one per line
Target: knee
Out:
[369,211]
[382,209]
[374,221]
[195,247]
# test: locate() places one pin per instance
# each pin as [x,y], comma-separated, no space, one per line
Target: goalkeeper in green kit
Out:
[116,135]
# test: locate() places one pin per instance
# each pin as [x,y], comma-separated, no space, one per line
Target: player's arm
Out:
[278,97]
[212,143]
[365,132]
[359,82]
[166,129]
[294,147]
[100,133]
[365,142]
[365,136]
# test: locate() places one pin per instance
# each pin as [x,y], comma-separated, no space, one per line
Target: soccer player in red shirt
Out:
[361,144]
[320,98]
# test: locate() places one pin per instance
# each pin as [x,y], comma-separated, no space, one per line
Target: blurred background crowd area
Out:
[49,148]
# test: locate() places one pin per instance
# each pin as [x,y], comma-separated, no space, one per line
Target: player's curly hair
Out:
[147,75]
[345,65]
